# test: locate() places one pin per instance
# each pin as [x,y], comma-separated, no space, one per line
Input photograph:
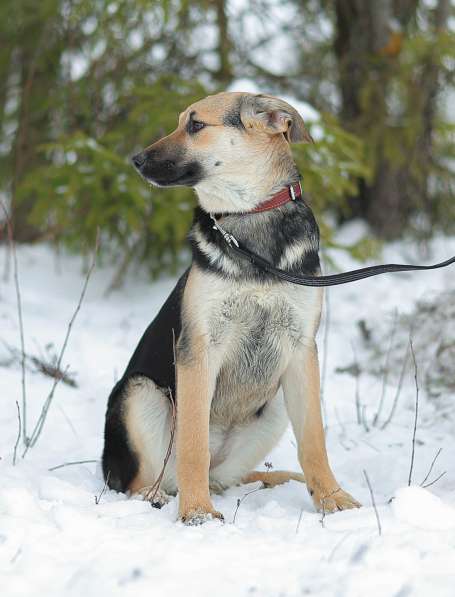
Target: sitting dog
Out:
[233,347]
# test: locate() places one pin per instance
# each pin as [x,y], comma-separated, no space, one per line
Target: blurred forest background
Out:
[84,84]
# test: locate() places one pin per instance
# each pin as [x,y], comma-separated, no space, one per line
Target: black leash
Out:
[332,280]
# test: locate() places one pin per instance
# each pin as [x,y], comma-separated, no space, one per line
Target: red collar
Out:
[289,193]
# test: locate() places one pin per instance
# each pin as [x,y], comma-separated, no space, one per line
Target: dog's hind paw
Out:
[157,499]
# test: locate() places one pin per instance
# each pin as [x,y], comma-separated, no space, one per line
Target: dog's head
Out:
[231,147]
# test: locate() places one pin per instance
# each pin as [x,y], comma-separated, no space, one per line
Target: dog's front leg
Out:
[195,387]
[301,386]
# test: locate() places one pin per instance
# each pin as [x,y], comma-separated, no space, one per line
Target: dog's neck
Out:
[288,238]
[225,194]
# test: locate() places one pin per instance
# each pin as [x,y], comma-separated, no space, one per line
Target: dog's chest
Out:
[254,331]
[256,328]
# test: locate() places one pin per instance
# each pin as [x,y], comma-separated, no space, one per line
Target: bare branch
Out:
[43,365]
[338,544]
[435,481]
[385,377]
[373,502]
[44,411]
[398,392]
[12,246]
[431,467]
[54,468]
[240,500]
[416,413]
[18,438]
[356,368]
[103,491]
[299,521]
[364,419]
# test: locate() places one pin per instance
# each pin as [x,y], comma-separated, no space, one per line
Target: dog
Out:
[232,347]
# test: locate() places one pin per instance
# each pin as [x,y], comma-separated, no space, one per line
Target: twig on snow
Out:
[12,246]
[299,521]
[103,491]
[373,502]
[41,365]
[411,467]
[356,369]
[338,544]
[19,431]
[385,377]
[16,555]
[431,467]
[54,468]
[240,500]
[44,411]
[435,480]
[398,392]
[364,419]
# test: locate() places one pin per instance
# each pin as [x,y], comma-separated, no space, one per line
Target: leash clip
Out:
[292,192]
[228,237]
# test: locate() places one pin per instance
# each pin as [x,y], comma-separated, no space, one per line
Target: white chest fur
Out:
[252,330]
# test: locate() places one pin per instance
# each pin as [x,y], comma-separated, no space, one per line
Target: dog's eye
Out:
[194,126]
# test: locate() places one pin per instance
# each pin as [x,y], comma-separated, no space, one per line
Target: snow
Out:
[56,540]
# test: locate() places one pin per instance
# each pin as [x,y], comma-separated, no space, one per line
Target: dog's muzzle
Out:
[167,171]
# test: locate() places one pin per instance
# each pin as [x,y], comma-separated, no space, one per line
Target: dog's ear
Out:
[273,116]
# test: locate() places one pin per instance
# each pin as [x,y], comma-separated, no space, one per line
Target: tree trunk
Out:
[429,85]
[366,48]
[224,73]
[39,63]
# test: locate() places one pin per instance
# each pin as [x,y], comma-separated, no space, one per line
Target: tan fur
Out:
[193,457]
[273,478]
[302,391]
[195,387]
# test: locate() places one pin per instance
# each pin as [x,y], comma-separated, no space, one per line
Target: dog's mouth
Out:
[168,173]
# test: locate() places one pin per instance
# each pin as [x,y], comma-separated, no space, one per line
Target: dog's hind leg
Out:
[148,419]
[273,478]
[157,497]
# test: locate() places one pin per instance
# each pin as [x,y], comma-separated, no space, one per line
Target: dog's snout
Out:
[139,159]
[165,165]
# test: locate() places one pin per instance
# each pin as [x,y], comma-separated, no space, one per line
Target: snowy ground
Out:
[55,540]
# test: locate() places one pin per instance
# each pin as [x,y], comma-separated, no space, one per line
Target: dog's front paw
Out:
[333,500]
[198,515]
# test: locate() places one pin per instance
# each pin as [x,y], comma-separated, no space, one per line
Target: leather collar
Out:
[289,193]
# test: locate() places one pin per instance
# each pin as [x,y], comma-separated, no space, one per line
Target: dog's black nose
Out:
[139,159]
